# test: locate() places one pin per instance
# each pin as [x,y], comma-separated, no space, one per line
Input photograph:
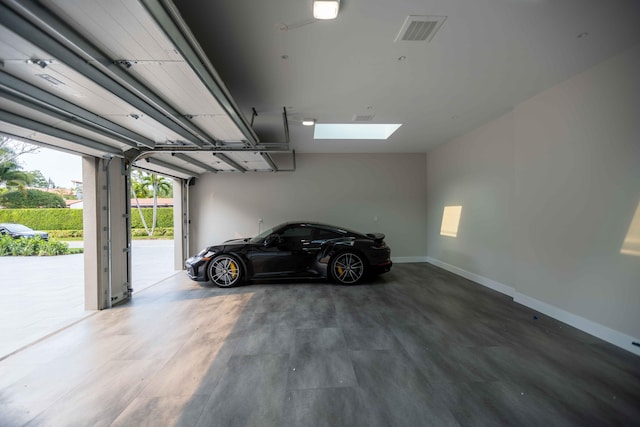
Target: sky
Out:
[61,167]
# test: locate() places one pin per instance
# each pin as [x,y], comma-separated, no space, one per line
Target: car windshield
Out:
[17,228]
[261,236]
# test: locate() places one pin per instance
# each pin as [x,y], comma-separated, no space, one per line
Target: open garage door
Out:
[123,84]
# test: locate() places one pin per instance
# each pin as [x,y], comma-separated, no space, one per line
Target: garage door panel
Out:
[122,29]
[39,138]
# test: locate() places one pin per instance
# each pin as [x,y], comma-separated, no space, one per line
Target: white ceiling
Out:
[488,56]
[119,76]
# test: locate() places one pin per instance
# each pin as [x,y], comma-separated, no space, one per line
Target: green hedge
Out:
[135,232]
[165,217]
[71,219]
[44,219]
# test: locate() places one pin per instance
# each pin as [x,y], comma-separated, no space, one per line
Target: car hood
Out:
[29,233]
[234,242]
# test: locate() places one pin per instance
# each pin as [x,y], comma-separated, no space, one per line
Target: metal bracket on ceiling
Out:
[285,123]
[124,63]
[42,63]
[254,114]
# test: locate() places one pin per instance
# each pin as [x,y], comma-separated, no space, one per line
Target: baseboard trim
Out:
[597,330]
[491,284]
[406,259]
[609,335]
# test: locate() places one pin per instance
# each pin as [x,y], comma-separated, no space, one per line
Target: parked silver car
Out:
[18,230]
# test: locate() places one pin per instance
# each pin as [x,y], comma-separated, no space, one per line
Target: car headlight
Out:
[206,253]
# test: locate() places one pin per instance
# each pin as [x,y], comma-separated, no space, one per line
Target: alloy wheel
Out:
[348,268]
[224,271]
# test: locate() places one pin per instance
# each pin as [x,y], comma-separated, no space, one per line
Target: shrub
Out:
[35,246]
[159,232]
[31,199]
[6,242]
[65,234]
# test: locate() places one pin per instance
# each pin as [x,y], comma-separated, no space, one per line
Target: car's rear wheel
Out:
[347,268]
[225,271]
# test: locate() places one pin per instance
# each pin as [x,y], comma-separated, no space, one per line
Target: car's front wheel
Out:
[347,268]
[225,271]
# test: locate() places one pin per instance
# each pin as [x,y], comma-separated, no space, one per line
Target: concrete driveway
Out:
[40,295]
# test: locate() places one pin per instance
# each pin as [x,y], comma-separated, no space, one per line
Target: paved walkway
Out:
[40,295]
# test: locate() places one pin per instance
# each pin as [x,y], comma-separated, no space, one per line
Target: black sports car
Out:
[293,250]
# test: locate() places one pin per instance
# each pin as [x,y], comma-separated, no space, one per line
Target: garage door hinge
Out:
[126,250]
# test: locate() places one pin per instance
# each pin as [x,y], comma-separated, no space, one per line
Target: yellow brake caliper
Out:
[340,270]
[234,269]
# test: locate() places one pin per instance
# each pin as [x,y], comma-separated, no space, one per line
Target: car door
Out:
[291,256]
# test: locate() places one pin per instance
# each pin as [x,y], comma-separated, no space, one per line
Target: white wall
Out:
[548,193]
[477,173]
[364,192]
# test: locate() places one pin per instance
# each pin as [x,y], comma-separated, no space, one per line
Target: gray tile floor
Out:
[418,346]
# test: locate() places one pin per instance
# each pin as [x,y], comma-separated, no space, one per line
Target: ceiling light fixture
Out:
[308,122]
[326,9]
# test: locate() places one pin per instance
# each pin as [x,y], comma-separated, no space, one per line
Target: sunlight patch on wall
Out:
[450,221]
[631,245]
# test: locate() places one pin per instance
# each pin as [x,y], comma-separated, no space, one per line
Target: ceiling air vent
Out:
[363,117]
[419,28]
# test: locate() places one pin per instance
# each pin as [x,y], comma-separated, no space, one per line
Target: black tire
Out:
[225,271]
[347,268]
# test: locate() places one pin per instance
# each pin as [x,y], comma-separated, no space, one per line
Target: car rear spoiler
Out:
[377,237]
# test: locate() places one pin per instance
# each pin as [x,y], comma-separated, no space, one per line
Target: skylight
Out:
[354,130]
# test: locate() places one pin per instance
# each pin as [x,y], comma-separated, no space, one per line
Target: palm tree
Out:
[141,183]
[139,190]
[12,176]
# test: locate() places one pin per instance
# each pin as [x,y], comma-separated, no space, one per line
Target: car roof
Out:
[9,225]
[320,225]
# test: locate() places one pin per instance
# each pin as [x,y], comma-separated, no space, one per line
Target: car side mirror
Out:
[272,240]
